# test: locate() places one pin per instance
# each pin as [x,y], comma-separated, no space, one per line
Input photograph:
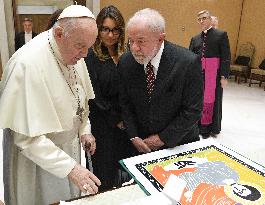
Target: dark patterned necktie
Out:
[150,79]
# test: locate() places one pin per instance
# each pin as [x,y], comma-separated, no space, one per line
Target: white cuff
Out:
[85,128]
[134,138]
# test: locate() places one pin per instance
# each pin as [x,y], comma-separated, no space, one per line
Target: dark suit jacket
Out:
[217,45]
[20,39]
[176,102]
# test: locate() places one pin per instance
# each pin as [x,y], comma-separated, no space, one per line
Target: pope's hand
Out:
[85,180]
[1,203]
[88,142]
[140,145]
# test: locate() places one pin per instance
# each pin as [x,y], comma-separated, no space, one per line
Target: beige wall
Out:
[180,16]
[181,22]
[60,4]
[253,28]
[40,21]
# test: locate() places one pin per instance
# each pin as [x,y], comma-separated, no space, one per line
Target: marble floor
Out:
[243,125]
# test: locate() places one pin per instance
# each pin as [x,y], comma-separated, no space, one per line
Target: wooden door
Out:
[40,22]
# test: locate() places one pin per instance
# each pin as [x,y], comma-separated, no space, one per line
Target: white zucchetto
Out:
[75,11]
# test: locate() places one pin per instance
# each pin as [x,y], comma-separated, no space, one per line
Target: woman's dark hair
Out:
[53,18]
[113,13]
[255,194]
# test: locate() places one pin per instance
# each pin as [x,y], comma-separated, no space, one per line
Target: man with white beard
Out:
[161,89]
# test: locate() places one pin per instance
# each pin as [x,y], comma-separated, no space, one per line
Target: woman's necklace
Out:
[115,59]
[113,55]
[80,110]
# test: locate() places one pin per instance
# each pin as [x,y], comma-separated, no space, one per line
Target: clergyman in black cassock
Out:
[212,45]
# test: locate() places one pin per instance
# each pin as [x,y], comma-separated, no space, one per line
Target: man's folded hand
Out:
[140,145]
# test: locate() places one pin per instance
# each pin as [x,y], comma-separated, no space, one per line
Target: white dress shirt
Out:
[28,37]
[156,60]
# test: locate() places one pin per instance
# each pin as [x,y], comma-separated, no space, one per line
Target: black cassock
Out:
[112,143]
[216,45]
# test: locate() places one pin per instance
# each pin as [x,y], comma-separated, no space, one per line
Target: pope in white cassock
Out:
[43,107]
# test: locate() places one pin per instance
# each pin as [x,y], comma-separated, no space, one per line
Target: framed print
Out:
[210,171]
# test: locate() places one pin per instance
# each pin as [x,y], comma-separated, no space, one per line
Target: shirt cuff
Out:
[134,138]
[85,128]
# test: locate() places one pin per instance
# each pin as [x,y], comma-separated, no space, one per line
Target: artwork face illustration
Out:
[212,173]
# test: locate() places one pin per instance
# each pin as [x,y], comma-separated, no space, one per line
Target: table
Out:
[115,196]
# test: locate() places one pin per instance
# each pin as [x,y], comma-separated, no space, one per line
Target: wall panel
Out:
[40,21]
[180,16]
[253,28]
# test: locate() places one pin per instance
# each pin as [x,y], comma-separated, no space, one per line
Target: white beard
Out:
[147,58]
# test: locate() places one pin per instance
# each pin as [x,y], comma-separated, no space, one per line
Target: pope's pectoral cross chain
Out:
[80,112]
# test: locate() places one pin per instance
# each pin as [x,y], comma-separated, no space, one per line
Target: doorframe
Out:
[4,49]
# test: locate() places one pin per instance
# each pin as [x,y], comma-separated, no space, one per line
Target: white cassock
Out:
[41,146]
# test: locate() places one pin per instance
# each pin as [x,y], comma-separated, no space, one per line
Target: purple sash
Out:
[210,67]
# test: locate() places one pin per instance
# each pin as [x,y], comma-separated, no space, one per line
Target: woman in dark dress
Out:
[105,117]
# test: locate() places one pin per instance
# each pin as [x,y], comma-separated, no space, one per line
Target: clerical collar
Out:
[28,32]
[205,31]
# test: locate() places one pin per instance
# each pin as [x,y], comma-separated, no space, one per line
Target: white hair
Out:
[214,18]
[214,22]
[150,17]
[67,24]
[204,12]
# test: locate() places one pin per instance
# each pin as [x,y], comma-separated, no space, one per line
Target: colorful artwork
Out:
[213,174]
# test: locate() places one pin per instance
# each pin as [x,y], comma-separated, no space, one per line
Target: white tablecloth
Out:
[115,197]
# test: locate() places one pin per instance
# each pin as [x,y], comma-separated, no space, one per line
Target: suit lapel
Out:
[22,38]
[164,70]
[141,80]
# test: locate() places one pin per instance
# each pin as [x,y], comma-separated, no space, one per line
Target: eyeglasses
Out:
[202,18]
[106,30]
[138,42]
